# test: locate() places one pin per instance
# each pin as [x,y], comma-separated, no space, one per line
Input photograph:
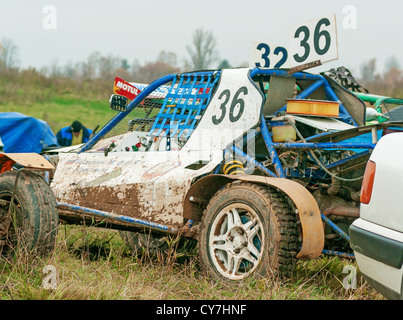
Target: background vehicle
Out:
[260,166]
[377,236]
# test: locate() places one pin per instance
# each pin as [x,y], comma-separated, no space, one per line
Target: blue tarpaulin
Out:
[20,133]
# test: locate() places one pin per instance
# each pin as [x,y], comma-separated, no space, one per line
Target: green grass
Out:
[94,264]
[61,111]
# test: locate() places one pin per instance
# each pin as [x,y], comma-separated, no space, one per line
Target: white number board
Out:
[312,41]
[268,55]
[308,42]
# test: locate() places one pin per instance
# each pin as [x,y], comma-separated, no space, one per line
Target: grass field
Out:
[62,111]
[95,264]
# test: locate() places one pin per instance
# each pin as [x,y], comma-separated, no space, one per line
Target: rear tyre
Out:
[31,222]
[140,243]
[248,229]
[152,244]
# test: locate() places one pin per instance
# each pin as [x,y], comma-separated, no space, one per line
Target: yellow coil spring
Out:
[233,167]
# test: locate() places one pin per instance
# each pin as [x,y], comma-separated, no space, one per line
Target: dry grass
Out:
[94,264]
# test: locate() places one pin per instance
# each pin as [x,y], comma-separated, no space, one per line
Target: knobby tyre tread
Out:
[277,209]
[36,215]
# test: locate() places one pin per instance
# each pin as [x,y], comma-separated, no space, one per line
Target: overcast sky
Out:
[140,29]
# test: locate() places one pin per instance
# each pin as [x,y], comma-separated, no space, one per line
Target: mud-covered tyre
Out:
[152,244]
[31,223]
[140,243]
[248,229]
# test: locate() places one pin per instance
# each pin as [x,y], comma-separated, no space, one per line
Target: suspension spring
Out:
[233,167]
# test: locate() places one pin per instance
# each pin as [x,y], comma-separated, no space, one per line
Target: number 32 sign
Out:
[311,41]
[264,55]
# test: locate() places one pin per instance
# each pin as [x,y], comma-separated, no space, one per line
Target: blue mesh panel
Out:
[184,104]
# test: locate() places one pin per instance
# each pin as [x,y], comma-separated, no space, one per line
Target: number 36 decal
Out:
[236,105]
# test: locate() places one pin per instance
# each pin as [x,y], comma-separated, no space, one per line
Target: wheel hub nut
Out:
[237,240]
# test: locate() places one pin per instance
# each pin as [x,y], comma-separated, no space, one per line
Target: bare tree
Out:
[391,63]
[108,66]
[167,57]
[69,70]
[54,70]
[8,54]
[89,69]
[203,53]
[154,70]
[368,71]
[391,81]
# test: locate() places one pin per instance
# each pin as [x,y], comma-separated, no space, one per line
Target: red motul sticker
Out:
[125,89]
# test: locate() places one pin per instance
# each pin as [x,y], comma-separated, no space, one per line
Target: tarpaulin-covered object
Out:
[20,133]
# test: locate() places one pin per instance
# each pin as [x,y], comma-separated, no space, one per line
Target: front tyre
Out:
[247,229]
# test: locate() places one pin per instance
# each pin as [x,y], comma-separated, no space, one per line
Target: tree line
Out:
[94,76]
[389,82]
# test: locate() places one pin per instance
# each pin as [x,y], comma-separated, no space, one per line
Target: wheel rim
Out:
[236,241]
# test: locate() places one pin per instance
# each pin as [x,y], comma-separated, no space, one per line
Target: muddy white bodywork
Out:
[152,185]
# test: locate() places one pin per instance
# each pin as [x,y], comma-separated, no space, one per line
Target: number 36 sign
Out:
[311,41]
